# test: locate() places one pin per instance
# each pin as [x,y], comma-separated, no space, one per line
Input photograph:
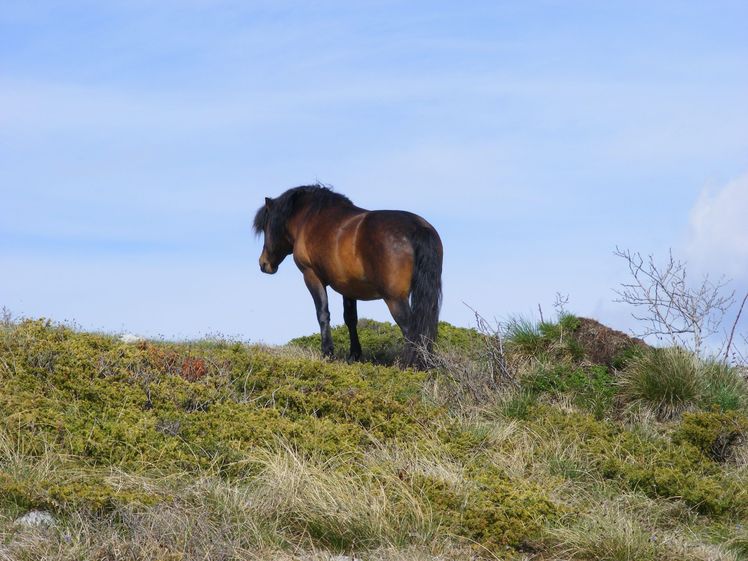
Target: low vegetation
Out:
[216,449]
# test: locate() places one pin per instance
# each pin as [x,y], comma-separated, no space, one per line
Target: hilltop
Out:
[560,440]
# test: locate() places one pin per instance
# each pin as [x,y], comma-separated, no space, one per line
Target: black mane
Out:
[315,197]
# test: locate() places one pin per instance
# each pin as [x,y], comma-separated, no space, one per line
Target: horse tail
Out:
[425,292]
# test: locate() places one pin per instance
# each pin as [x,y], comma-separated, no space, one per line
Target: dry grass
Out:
[342,508]
[294,508]
[631,528]
[286,504]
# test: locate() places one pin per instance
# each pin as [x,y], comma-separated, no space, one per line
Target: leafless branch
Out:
[493,341]
[475,377]
[670,306]
[734,325]
[560,302]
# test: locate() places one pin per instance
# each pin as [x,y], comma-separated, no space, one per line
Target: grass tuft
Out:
[666,381]
[672,380]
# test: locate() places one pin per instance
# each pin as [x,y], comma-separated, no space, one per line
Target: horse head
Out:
[271,222]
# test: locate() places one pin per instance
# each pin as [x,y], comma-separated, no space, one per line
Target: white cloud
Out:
[718,236]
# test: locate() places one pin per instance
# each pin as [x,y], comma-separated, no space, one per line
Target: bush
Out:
[525,337]
[655,466]
[491,510]
[123,405]
[217,449]
[590,388]
[383,342]
[715,433]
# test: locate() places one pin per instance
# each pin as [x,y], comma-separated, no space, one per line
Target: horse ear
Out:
[268,202]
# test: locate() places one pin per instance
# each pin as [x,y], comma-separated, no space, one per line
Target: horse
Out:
[393,255]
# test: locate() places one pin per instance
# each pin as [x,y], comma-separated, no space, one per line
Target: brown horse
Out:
[364,255]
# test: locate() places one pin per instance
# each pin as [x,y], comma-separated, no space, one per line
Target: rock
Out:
[129,338]
[36,518]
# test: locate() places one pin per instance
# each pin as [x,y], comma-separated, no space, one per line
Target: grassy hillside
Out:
[220,450]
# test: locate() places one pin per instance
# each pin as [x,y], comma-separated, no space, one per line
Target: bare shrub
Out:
[671,307]
[476,378]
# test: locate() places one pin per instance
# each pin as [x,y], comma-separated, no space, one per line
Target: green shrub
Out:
[590,388]
[672,472]
[655,466]
[383,342]
[491,510]
[138,406]
[568,323]
[67,490]
[464,441]
[15,492]
[304,453]
[94,494]
[714,433]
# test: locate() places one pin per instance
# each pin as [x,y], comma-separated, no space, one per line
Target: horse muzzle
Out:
[266,267]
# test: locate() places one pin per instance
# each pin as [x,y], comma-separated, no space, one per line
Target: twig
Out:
[671,306]
[734,325]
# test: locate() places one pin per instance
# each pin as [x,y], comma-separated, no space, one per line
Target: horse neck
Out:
[304,214]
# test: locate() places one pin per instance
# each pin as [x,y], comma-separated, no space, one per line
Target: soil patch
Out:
[603,345]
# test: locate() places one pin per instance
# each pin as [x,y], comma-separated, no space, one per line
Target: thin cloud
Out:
[718,229]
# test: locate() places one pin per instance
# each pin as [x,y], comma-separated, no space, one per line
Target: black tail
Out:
[425,293]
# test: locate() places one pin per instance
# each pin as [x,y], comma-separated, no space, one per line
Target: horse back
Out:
[362,254]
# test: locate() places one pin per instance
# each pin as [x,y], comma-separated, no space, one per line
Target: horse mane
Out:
[316,197]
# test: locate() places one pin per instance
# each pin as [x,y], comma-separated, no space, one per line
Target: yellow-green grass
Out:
[221,450]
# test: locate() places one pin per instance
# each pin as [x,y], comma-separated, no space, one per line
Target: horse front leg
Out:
[319,295]
[350,315]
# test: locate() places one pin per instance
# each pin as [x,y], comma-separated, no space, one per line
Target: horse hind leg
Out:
[350,315]
[401,312]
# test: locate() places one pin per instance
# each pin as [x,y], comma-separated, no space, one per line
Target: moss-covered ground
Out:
[217,449]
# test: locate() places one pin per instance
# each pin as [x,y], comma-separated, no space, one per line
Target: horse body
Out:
[354,259]
[364,255]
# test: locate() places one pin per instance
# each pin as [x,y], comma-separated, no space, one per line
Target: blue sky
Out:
[137,139]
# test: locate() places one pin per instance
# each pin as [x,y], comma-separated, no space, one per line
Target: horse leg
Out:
[350,315]
[319,295]
[401,312]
